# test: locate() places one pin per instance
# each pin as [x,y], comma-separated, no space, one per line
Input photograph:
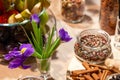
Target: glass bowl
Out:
[13,34]
[115,76]
[93,46]
[14,24]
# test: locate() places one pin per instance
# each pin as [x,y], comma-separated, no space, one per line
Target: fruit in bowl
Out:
[12,9]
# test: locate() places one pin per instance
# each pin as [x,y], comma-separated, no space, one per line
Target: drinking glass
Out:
[117,34]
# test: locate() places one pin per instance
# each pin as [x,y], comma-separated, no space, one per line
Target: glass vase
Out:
[43,66]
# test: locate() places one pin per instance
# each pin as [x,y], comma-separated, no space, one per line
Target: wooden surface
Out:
[65,51]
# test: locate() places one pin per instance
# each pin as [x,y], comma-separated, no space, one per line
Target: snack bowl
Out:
[11,34]
[93,46]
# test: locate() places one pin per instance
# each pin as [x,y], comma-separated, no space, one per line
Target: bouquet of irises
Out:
[38,46]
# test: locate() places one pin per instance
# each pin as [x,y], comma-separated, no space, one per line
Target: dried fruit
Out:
[3,18]
[12,19]
[26,14]
[12,12]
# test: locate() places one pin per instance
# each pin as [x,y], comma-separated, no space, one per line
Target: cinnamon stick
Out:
[115,70]
[86,65]
[99,66]
[88,77]
[104,74]
[95,76]
[78,72]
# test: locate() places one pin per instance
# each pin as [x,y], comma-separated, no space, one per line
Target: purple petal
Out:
[64,35]
[25,66]
[28,52]
[12,54]
[15,63]
[25,46]
[15,49]
[8,57]
[35,18]
[15,53]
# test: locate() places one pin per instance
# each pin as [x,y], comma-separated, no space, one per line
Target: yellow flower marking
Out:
[23,50]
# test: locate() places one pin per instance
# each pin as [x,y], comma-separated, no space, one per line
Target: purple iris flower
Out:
[18,55]
[64,35]
[35,18]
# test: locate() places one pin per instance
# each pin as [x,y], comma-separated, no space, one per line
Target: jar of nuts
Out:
[73,10]
[93,46]
[108,15]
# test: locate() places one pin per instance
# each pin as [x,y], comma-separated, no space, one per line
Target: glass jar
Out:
[108,15]
[93,46]
[73,10]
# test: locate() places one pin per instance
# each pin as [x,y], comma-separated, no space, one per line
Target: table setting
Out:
[59,40]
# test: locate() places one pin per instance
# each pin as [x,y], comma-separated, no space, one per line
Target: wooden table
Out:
[65,51]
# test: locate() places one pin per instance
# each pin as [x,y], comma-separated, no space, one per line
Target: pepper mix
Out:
[92,48]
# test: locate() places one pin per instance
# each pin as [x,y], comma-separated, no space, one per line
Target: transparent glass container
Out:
[43,66]
[93,46]
[13,34]
[73,10]
[108,15]
[30,78]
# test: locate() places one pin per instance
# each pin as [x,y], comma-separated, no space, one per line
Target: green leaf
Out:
[36,54]
[35,44]
[37,34]
[36,30]
[40,39]
[49,41]
[26,34]
[54,46]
